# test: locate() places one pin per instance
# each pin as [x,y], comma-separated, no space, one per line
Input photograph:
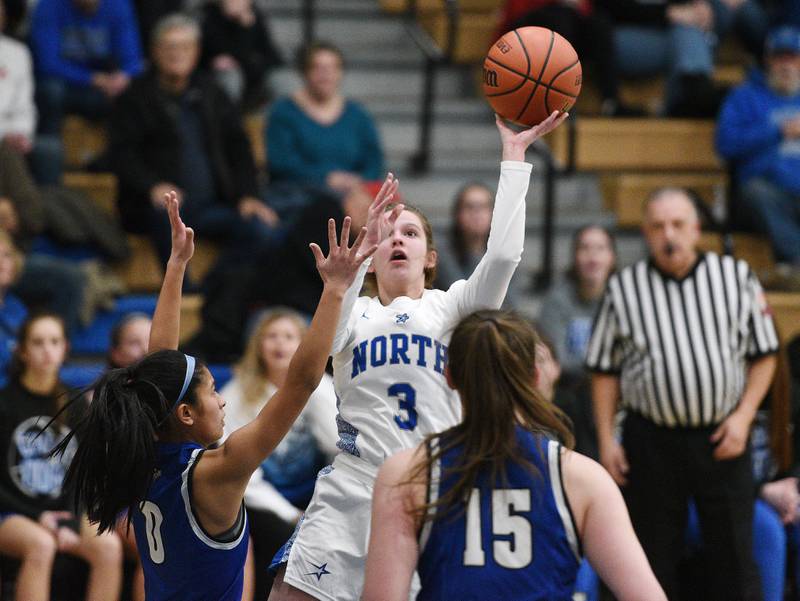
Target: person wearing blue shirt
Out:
[759,134]
[85,52]
[317,138]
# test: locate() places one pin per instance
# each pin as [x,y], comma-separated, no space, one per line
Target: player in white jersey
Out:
[389,355]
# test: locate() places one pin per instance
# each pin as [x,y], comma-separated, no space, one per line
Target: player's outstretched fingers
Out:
[345,232]
[332,243]
[319,257]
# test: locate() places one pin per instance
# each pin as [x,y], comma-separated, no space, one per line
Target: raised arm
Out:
[393,547]
[166,328]
[224,472]
[487,286]
[379,224]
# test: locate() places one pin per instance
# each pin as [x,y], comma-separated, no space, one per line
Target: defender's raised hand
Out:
[338,269]
[380,222]
[182,236]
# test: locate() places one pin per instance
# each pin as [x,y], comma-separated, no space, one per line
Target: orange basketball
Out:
[529,73]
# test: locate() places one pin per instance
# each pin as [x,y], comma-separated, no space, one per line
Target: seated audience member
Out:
[12,310]
[317,137]
[279,491]
[759,133]
[238,49]
[590,31]
[18,111]
[129,340]
[31,480]
[46,282]
[175,129]
[678,39]
[566,317]
[86,52]
[462,250]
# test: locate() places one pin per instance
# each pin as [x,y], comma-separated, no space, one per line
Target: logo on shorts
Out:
[321,570]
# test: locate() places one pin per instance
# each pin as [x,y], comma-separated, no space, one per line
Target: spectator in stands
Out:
[31,480]
[469,233]
[568,310]
[678,39]
[18,111]
[759,133]
[12,310]
[317,137]
[86,52]
[46,282]
[460,252]
[175,129]
[591,32]
[238,49]
[278,492]
[129,340]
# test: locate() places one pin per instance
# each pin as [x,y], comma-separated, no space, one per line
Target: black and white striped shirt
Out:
[681,347]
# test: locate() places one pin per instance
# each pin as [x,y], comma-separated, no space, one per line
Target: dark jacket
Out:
[145,145]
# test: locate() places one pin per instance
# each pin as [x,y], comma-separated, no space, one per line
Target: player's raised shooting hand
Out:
[379,222]
[338,269]
[516,143]
[182,236]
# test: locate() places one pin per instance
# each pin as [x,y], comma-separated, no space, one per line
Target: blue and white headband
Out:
[190,363]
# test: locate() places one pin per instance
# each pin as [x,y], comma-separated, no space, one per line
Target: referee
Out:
[686,340]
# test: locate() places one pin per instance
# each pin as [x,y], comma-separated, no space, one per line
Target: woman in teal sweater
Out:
[318,137]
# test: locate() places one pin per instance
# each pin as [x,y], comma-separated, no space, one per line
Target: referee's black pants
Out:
[668,466]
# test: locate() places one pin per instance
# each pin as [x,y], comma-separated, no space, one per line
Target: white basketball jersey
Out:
[389,361]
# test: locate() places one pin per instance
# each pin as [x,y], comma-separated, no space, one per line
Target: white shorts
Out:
[327,553]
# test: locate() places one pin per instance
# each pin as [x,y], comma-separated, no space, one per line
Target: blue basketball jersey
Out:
[181,561]
[515,540]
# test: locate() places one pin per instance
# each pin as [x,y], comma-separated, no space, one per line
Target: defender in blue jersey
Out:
[495,508]
[144,446]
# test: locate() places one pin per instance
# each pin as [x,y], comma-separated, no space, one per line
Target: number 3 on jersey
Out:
[152,524]
[514,554]
[406,401]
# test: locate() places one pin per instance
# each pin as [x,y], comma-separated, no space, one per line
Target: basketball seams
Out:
[551,88]
[504,61]
[531,79]
[527,57]
[541,73]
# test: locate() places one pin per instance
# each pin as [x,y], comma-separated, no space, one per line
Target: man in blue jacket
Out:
[759,133]
[86,52]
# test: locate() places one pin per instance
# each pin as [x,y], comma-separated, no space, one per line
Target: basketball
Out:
[529,73]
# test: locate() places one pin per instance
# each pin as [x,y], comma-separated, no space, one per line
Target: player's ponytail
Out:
[492,364]
[114,464]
